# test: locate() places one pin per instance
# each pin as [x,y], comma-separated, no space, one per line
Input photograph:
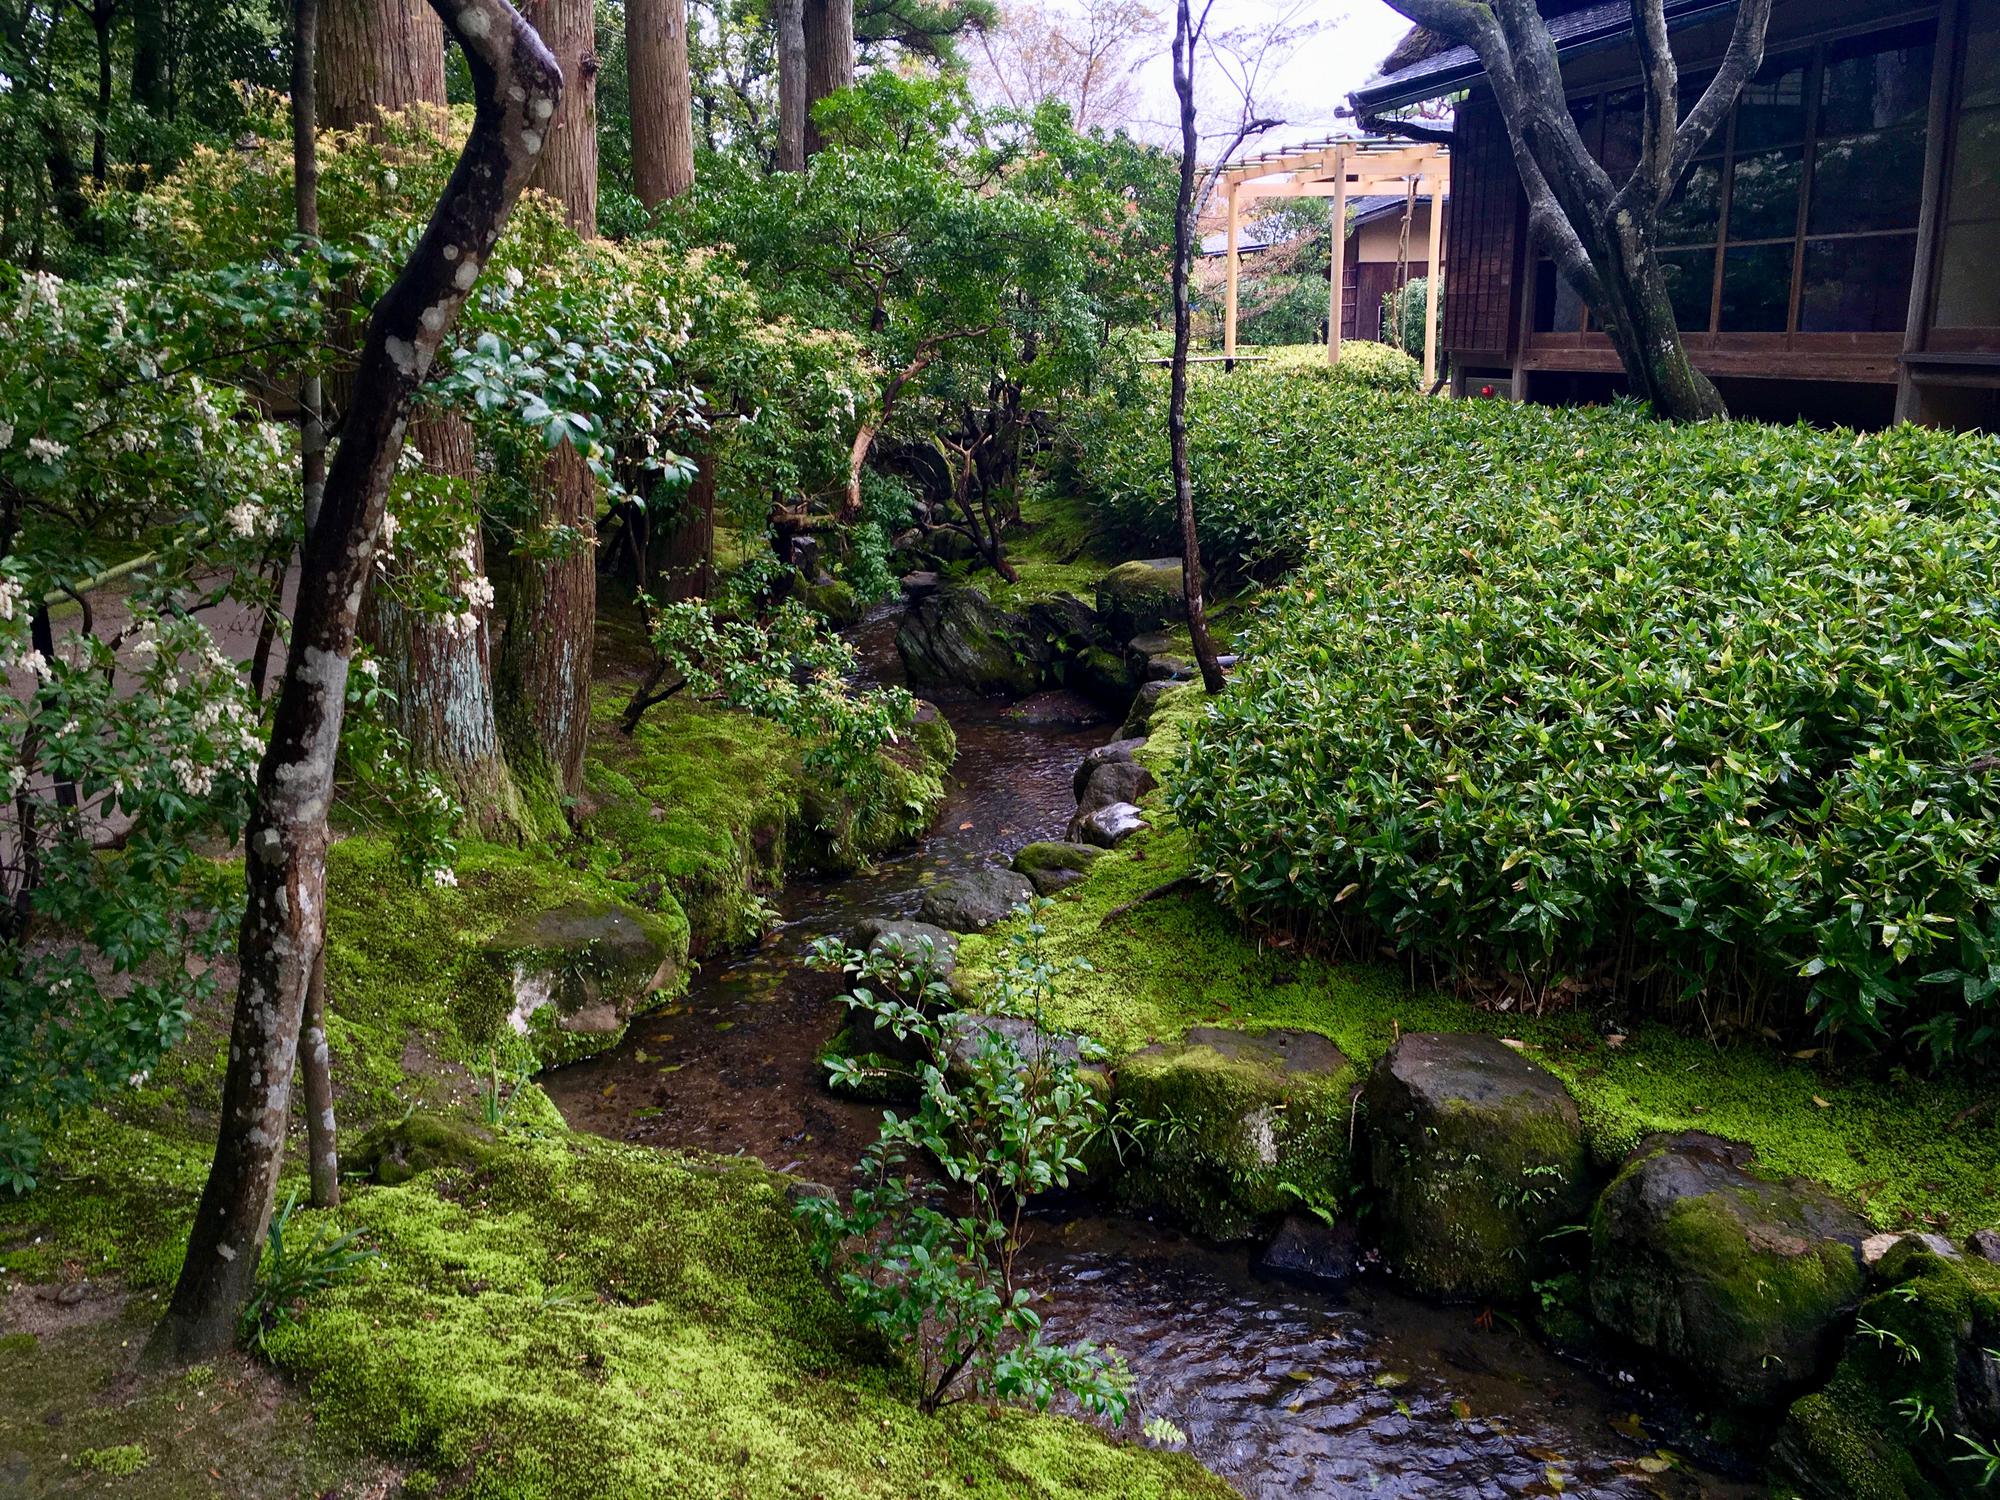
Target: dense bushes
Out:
[1574,698]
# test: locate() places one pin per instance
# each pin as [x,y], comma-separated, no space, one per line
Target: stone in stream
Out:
[1056,708]
[875,934]
[1050,866]
[1876,1247]
[1313,1251]
[974,901]
[1741,1279]
[1476,1156]
[1111,781]
[1117,750]
[1108,827]
[1140,596]
[1246,1125]
[920,584]
[1103,674]
[958,637]
[591,965]
[1139,717]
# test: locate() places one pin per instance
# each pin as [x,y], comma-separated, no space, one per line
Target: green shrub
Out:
[1362,362]
[1696,714]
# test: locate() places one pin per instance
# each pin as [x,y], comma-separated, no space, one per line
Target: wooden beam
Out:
[1229,292]
[1433,283]
[1336,291]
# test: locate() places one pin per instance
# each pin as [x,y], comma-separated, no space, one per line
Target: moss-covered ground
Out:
[1906,1149]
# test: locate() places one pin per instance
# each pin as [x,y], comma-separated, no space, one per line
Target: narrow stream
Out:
[1283,1391]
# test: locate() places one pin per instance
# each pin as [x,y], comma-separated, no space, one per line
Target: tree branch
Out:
[1740,62]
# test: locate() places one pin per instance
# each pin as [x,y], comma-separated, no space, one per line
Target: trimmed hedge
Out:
[1575,699]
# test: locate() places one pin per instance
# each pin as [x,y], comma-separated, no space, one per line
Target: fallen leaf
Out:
[1822,1103]
[1515,1042]
[1616,1039]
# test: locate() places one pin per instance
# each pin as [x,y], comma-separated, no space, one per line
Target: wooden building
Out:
[1835,251]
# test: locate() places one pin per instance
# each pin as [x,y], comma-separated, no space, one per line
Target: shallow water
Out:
[1285,1392]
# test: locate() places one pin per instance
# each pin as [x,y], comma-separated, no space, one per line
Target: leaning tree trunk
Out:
[543,680]
[379,57]
[788,18]
[829,43]
[1630,299]
[1191,577]
[516,86]
[656,63]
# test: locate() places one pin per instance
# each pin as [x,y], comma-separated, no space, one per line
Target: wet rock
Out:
[830,597]
[1050,866]
[1104,674]
[1057,708]
[1985,1243]
[966,1036]
[1108,827]
[1313,1251]
[974,901]
[1476,1156]
[1139,596]
[1742,1280]
[919,584]
[1246,1125]
[394,1153]
[1150,644]
[589,965]
[959,638]
[1877,1246]
[1111,781]
[1139,717]
[1066,623]
[1117,750]
[877,934]
[1169,669]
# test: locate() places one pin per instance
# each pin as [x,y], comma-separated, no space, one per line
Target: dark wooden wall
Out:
[1366,282]
[1482,231]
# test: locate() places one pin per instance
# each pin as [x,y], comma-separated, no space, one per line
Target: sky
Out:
[1350,41]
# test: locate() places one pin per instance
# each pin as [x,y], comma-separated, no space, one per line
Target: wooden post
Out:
[1433,280]
[1336,292]
[1229,291]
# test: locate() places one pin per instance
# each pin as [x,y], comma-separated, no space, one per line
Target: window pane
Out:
[1695,210]
[1872,82]
[1756,288]
[1982,58]
[1968,294]
[1772,108]
[1690,283]
[1764,198]
[1975,168]
[1867,182]
[1557,308]
[1857,285]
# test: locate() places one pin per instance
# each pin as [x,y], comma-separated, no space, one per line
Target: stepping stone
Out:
[976,900]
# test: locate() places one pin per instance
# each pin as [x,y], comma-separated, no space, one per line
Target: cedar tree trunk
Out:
[829,42]
[788,17]
[656,61]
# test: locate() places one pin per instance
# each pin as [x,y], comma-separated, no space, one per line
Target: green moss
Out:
[120,1462]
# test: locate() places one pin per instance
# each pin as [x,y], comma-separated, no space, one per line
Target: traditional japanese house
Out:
[1834,253]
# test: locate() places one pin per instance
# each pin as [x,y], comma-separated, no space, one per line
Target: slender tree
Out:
[788,17]
[544,667]
[829,43]
[516,86]
[1187,35]
[656,66]
[1604,234]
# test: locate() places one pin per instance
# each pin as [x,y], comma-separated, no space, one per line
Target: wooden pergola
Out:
[1338,169]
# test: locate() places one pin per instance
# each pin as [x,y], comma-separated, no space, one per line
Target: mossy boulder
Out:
[1918,1377]
[1104,675]
[958,637]
[579,972]
[1743,1281]
[1139,717]
[1051,864]
[1111,781]
[1141,595]
[976,900]
[883,934]
[1117,750]
[831,597]
[1235,1127]
[1476,1156]
[391,1154]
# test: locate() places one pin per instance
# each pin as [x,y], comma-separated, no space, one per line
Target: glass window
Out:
[1975,167]
[1694,213]
[1857,285]
[1690,284]
[1865,182]
[1968,285]
[1771,111]
[1757,288]
[1968,293]
[1876,81]
[1764,195]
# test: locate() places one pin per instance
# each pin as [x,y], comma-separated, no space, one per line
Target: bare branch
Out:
[1740,62]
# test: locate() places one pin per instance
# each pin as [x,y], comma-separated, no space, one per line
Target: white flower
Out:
[138,1080]
[46,449]
[196,781]
[245,519]
[17,777]
[390,526]
[410,460]
[370,668]
[10,597]
[6,433]
[444,875]
[479,592]
[514,278]
[32,660]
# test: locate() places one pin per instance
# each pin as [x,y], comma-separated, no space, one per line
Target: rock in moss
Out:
[1235,1127]
[590,966]
[1103,674]
[1743,1281]
[880,934]
[1141,595]
[958,637]
[966,1037]
[974,901]
[1476,1156]
[392,1154]
[1109,826]
[1139,718]
[1922,1345]
[1051,865]
[831,597]
[1117,750]
[1111,781]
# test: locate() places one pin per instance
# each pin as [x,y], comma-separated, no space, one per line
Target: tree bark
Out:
[516,85]
[377,57]
[569,158]
[788,17]
[829,45]
[102,15]
[1187,31]
[656,62]
[149,56]
[316,1067]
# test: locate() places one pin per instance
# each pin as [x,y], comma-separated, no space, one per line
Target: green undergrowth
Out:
[580,1318]
[1901,1147]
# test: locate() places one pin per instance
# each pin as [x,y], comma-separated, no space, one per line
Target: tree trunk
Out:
[543,681]
[316,1067]
[516,85]
[656,61]
[1630,299]
[788,17]
[682,554]
[149,57]
[829,44]
[377,57]
[102,15]
[1185,36]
